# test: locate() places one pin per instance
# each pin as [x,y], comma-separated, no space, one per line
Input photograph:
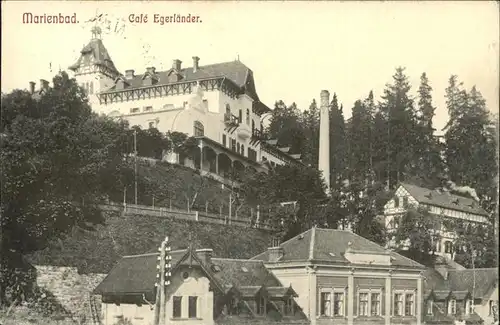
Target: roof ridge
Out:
[475,269]
[236,259]
[296,236]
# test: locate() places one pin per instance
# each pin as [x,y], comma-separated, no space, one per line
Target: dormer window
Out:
[430,306]
[469,306]
[452,306]
[261,305]
[289,307]
[134,110]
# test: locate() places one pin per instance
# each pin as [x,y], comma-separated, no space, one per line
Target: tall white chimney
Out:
[324,138]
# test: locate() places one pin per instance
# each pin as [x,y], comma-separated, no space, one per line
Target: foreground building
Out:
[469,295]
[217,103]
[203,290]
[342,278]
[441,203]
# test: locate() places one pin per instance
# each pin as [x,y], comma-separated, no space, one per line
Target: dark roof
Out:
[330,245]
[236,71]
[137,274]
[95,51]
[460,283]
[444,199]
[485,280]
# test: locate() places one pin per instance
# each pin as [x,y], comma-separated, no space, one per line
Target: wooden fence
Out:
[183,215]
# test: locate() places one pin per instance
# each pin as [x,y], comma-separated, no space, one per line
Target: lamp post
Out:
[163,275]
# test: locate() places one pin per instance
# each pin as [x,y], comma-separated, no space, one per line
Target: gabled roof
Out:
[236,71]
[137,274]
[460,283]
[281,292]
[444,199]
[330,245]
[94,53]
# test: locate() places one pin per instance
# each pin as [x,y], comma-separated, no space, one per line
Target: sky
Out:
[295,49]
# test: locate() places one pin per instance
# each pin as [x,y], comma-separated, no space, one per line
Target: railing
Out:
[231,119]
[183,215]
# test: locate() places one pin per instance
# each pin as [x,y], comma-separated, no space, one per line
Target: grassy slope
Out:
[97,251]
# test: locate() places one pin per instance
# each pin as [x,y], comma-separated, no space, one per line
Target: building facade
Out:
[467,295]
[440,203]
[342,278]
[218,104]
[202,290]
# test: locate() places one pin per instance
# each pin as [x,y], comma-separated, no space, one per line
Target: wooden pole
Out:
[164,280]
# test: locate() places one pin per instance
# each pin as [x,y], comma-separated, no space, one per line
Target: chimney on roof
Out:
[275,251]
[32,87]
[129,74]
[44,84]
[196,61]
[442,267]
[176,64]
[205,255]
[151,70]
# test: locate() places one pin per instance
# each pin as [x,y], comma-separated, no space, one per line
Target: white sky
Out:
[295,49]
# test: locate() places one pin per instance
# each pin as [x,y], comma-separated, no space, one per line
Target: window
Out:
[193,306]
[438,246]
[228,110]
[405,202]
[452,307]
[430,306]
[233,144]
[237,147]
[398,304]
[375,304]
[261,306]
[224,140]
[396,202]
[176,312]
[261,128]
[338,304]
[409,305]
[469,306]
[363,304]
[242,150]
[493,307]
[148,108]
[253,127]
[134,110]
[448,247]
[325,307]
[199,129]
[240,116]
[289,306]
[233,306]
[248,117]
[252,154]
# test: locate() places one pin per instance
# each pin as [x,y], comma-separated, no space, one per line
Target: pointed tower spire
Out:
[96,32]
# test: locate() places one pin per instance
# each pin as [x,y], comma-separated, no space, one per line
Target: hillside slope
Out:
[97,251]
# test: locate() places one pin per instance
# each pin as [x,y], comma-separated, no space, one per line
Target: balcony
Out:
[258,135]
[230,120]
[244,131]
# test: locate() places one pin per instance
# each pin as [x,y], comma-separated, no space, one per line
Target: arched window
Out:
[261,128]
[248,117]
[199,130]
[240,116]
[228,110]
[243,150]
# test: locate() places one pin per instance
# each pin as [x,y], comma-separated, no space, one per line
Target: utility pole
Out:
[164,280]
[135,154]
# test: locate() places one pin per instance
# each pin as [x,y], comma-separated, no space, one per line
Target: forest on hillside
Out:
[59,160]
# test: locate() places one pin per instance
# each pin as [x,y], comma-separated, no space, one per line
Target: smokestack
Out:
[32,87]
[176,65]
[196,61]
[324,138]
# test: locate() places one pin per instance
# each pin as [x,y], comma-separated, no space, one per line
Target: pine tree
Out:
[310,126]
[397,106]
[338,151]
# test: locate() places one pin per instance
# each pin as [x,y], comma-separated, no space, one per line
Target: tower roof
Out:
[95,53]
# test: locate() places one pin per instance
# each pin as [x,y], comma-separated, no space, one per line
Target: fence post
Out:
[196,216]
